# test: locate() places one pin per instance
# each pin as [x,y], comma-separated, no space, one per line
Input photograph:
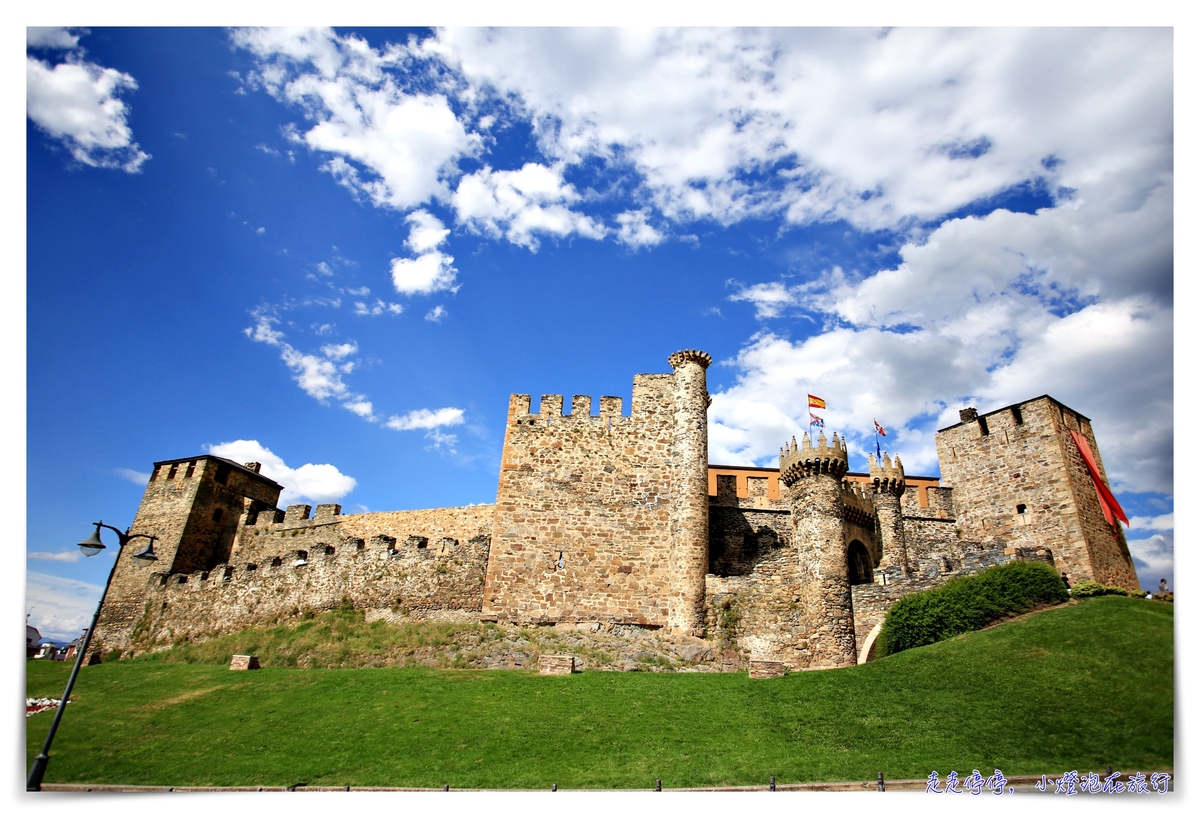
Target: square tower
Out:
[193,506]
[1019,476]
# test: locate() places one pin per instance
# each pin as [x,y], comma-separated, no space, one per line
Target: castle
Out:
[618,522]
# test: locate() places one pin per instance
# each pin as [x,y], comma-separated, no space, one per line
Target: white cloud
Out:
[76,102]
[425,274]
[432,270]
[519,204]
[70,555]
[320,483]
[875,127]
[770,299]
[426,419]
[635,230]
[318,375]
[436,314]
[139,477]
[1154,559]
[1163,522]
[261,230]
[51,37]
[380,307]
[404,144]
[62,608]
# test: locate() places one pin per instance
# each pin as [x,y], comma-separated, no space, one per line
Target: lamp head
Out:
[92,545]
[147,556]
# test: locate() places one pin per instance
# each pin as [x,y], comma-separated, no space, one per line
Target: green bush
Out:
[969,603]
[1089,588]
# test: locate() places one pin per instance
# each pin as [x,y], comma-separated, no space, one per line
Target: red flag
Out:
[1108,503]
[879,430]
[816,403]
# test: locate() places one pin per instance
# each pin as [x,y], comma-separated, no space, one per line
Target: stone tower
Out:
[689,506]
[193,506]
[813,477]
[1019,475]
[887,480]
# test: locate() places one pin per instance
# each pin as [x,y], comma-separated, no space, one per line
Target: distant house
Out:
[73,646]
[32,638]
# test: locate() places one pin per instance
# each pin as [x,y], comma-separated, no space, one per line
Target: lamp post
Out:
[90,547]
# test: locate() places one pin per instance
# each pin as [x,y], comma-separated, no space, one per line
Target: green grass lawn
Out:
[1078,687]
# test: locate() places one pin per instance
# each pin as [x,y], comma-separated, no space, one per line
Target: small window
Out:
[560,559]
[983,429]
[222,473]
[171,473]
[1020,508]
[191,469]
[252,516]
[1017,418]
[218,514]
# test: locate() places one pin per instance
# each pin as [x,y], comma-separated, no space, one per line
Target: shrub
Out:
[1089,588]
[969,603]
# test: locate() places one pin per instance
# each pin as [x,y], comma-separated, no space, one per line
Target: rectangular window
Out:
[983,429]
[1016,412]
[222,473]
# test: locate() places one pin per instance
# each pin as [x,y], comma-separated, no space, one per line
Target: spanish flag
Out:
[815,403]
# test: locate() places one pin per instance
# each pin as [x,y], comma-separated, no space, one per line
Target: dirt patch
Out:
[162,704]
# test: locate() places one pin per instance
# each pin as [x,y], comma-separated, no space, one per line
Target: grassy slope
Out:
[1079,687]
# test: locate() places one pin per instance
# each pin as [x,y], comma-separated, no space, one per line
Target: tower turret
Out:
[813,475]
[689,504]
[887,479]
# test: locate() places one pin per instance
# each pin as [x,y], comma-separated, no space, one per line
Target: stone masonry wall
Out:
[193,507]
[582,523]
[409,562]
[1017,476]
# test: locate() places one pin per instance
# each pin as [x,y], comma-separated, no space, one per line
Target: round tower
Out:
[888,481]
[813,477]
[689,501]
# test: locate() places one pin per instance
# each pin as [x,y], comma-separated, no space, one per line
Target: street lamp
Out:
[90,547]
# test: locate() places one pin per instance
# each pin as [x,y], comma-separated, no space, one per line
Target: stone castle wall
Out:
[424,564]
[581,530]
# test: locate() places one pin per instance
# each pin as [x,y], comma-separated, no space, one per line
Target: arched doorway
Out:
[858,564]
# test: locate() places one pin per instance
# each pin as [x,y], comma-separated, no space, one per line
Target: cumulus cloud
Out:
[320,483]
[520,204]
[1154,559]
[1163,522]
[436,314]
[394,145]
[432,270]
[380,307]
[76,102]
[62,608]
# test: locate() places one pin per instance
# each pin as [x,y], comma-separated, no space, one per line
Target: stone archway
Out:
[858,564]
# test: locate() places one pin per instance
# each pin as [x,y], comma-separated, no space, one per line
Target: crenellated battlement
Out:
[807,460]
[856,503]
[886,476]
[684,356]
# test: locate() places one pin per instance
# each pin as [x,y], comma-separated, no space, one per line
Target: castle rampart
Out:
[617,522]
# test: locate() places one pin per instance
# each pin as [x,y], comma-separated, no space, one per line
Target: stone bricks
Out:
[764,669]
[615,530]
[556,665]
[244,663]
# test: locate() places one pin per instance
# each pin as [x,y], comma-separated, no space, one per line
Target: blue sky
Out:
[339,251]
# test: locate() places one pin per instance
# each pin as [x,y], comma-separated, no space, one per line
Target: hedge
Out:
[969,603]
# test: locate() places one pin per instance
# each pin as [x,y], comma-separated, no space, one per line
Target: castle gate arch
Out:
[858,564]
